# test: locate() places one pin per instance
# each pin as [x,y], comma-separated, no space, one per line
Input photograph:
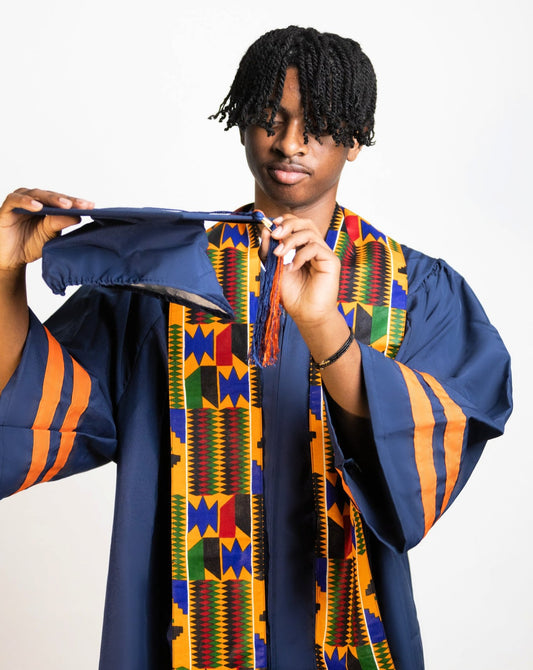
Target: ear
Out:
[353,152]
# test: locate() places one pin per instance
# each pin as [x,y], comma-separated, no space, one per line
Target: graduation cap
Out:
[162,252]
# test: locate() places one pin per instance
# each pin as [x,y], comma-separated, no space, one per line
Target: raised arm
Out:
[309,292]
[22,238]
[430,410]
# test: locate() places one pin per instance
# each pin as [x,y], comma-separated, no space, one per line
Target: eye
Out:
[277,120]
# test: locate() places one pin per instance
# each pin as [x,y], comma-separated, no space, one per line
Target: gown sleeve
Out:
[57,410]
[432,409]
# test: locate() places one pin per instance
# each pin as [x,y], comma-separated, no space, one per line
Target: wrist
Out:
[326,336]
[321,323]
[12,279]
[326,362]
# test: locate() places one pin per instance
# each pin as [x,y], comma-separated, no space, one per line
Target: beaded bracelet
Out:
[335,357]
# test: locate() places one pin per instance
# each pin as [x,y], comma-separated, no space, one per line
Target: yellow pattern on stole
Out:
[250,651]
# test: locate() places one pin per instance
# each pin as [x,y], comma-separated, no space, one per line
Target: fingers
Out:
[33,199]
[313,253]
[23,234]
[54,224]
[39,228]
[17,199]
[300,241]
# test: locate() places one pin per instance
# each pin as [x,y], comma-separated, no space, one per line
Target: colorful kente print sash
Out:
[218,566]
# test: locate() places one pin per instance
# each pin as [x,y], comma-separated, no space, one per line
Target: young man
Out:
[289,495]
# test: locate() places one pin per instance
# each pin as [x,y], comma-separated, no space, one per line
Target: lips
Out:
[287,173]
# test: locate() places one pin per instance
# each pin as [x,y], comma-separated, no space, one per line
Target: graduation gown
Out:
[92,387]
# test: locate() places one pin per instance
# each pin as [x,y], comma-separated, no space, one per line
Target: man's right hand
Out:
[22,236]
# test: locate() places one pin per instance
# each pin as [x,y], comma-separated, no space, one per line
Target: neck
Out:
[320,212]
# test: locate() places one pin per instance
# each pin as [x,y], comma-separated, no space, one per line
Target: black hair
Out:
[337,85]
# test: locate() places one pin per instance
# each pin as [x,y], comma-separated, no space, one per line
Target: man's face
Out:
[289,174]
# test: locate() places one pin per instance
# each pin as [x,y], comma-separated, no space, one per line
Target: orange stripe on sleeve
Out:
[51,392]
[423,444]
[81,391]
[453,436]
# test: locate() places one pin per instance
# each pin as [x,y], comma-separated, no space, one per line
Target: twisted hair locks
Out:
[337,85]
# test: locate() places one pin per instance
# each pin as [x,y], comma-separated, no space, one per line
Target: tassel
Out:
[265,340]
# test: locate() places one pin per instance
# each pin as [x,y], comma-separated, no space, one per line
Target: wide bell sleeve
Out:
[432,409]
[57,412]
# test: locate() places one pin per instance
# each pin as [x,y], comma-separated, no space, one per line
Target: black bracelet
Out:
[335,357]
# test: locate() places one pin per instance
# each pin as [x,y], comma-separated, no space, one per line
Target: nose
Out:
[289,140]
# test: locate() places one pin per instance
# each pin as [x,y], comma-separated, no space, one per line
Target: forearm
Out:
[14,320]
[343,378]
[309,291]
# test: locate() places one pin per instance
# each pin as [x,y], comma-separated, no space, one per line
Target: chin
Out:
[286,196]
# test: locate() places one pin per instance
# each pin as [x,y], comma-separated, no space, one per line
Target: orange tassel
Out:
[272,326]
[265,341]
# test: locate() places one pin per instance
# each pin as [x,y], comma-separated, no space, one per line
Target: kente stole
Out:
[218,563]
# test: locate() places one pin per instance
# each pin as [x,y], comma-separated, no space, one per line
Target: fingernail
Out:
[64,201]
[278,219]
[279,248]
[36,203]
[289,257]
[277,231]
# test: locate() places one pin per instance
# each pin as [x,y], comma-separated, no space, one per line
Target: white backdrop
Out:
[109,101]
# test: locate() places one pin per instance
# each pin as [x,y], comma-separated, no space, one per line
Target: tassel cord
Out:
[265,340]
